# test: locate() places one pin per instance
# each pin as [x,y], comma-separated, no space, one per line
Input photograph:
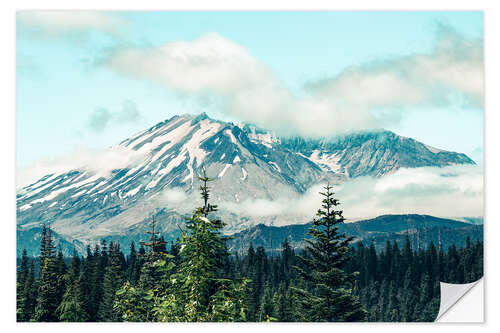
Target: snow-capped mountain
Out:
[247,162]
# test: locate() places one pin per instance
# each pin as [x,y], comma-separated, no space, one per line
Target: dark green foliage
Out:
[198,292]
[323,267]
[283,302]
[134,265]
[113,280]
[26,289]
[50,280]
[195,279]
[97,264]
[266,308]
[412,296]
[71,308]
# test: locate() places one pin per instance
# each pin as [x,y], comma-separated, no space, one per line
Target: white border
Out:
[7,132]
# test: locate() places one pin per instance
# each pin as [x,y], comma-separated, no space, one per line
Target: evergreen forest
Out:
[196,279]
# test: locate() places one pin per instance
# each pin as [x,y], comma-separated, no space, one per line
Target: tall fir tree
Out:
[71,308]
[148,279]
[266,308]
[113,281]
[283,306]
[96,270]
[198,292]
[26,289]
[22,275]
[48,297]
[133,271]
[332,298]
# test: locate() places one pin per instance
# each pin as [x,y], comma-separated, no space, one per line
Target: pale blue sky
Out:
[61,79]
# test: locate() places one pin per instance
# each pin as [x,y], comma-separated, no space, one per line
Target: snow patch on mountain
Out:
[57,192]
[24,207]
[329,162]
[231,136]
[114,196]
[275,165]
[133,192]
[221,174]
[207,130]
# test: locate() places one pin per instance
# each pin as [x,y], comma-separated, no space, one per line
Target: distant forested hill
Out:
[420,228]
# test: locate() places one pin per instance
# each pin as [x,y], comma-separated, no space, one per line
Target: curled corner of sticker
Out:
[451,294]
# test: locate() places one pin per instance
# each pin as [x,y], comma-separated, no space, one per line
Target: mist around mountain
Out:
[155,172]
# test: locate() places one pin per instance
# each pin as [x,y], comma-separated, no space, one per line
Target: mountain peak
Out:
[202,116]
[195,117]
[248,163]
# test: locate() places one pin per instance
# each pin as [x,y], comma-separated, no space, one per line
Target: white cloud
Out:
[447,192]
[454,66]
[210,63]
[451,191]
[247,90]
[99,161]
[244,88]
[57,23]
[174,196]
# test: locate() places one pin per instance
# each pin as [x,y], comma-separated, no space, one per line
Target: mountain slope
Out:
[248,163]
[420,228]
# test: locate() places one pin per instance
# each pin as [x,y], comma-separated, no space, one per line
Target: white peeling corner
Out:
[461,303]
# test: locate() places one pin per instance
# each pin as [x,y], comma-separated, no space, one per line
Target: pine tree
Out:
[48,285]
[408,299]
[61,275]
[25,287]
[386,262]
[252,298]
[198,293]
[133,269]
[396,263]
[30,291]
[282,304]
[383,300]
[113,281]
[199,245]
[426,309]
[393,304]
[148,281]
[287,256]
[96,270]
[266,309]
[151,272]
[332,298]
[22,272]
[71,308]
[84,289]
[22,275]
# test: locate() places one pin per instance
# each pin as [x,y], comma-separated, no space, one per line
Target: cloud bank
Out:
[246,89]
[174,196]
[455,66]
[99,161]
[452,191]
[243,88]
